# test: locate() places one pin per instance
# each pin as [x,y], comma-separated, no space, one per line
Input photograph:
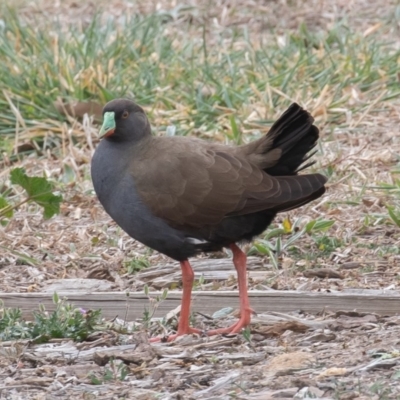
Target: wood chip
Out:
[281,327]
[286,363]
[322,273]
[350,265]
[354,322]
[334,371]
[137,356]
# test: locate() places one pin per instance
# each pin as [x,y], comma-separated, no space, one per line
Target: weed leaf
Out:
[39,190]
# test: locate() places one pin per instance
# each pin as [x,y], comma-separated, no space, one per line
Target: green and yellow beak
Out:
[108,127]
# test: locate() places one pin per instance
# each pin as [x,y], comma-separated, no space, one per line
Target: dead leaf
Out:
[353,314]
[286,363]
[322,273]
[35,381]
[332,372]
[351,322]
[351,265]
[321,337]
[368,203]
[281,327]
[100,272]
[138,356]
[78,109]
[25,147]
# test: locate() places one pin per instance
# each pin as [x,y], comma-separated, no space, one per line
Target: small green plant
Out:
[136,264]
[36,189]
[394,215]
[247,334]
[12,325]
[117,371]
[392,188]
[327,244]
[380,389]
[149,312]
[66,321]
[214,360]
[293,232]
[199,283]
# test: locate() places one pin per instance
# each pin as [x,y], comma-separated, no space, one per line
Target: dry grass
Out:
[353,93]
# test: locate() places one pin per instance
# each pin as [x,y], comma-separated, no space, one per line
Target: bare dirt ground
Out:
[344,355]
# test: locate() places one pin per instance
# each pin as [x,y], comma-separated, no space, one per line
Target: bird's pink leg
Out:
[183,325]
[239,260]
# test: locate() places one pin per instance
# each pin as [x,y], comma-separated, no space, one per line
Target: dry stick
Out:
[368,109]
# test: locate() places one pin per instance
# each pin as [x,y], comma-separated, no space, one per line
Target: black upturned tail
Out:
[295,135]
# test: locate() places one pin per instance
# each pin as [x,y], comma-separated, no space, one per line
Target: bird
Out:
[183,196]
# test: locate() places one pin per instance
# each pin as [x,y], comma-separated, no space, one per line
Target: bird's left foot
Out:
[243,322]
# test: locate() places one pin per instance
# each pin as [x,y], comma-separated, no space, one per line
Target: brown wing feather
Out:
[194,184]
[186,183]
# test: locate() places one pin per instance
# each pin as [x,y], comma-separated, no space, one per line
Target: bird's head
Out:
[124,120]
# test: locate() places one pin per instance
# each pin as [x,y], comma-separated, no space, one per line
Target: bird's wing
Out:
[194,184]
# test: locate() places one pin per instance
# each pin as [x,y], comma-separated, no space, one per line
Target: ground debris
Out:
[137,356]
[322,273]
[279,328]
[345,322]
[344,355]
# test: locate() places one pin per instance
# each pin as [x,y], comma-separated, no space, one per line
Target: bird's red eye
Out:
[125,114]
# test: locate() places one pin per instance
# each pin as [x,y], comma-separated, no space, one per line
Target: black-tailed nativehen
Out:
[183,196]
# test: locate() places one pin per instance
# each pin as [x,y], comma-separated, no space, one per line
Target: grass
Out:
[189,86]
[198,86]
[227,85]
